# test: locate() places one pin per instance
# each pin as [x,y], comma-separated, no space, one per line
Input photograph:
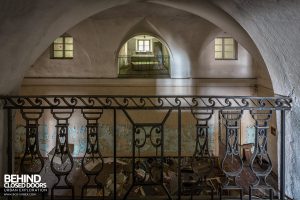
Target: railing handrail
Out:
[147,102]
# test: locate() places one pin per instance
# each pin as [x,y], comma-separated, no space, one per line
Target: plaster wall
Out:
[29,27]
[98,39]
[274,27]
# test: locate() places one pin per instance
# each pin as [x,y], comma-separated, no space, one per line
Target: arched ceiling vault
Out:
[30,29]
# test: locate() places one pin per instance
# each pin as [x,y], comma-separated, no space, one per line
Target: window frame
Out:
[63,47]
[143,40]
[235,47]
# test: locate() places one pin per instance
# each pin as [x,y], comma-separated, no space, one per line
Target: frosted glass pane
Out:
[228,41]
[58,47]
[59,40]
[140,48]
[69,54]
[141,43]
[68,40]
[218,55]
[229,48]
[218,41]
[68,46]
[218,48]
[58,54]
[147,42]
[229,55]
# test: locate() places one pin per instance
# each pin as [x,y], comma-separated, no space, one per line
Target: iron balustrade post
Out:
[9,142]
[179,154]
[115,154]
[282,156]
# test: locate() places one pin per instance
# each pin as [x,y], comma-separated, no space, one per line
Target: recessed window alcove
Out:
[144,56]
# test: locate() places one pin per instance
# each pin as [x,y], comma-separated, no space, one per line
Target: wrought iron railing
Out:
[110,173]
[151,65]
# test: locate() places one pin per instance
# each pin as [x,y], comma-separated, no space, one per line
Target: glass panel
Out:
[141,42]
[229,48]
[228,41]
[58,47]
[59,40]
[147,48]
[57,54]
[229,55]
[147,42]
[68,40]
[69,54]
[218,55]
[68,46]
[218,41]
[218,48]
[140,48]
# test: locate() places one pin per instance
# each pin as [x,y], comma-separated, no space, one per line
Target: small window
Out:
[62,48]
[143,46]
[225,48]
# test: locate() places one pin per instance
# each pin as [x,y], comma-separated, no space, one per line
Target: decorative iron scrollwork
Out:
[62,160]
[32,161]
[261,164]
[149,172]
[92,162]
[148,102]
[202,163]
[201,154]
[232,163]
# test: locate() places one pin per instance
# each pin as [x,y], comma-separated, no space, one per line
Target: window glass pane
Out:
[147,42]
[59,40]
[229,48]
[68,40]
[218,55]
[57,47]
[147,48]
[228,41]
[69,54]
[140,48]
[141,42]
[218,41]
[218,48]
[229,55]
[58,54]
[68,46]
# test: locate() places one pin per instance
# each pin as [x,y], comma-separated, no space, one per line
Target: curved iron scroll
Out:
[62,160]
[92,162]
[32,161]
[260,163]
[148,102]
[151,134]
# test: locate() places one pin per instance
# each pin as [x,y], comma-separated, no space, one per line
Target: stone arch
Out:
[40,40]
[144,27]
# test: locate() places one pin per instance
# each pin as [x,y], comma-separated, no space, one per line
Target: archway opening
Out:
[144,56]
